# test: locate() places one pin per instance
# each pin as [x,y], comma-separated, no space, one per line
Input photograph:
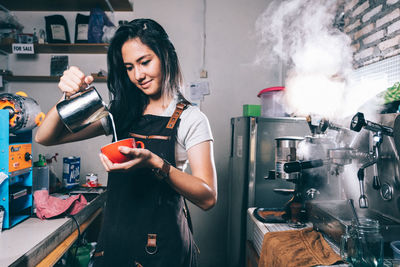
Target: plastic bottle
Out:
[41,162]
[55,181]
[35,35]
[41,174]
[42,36]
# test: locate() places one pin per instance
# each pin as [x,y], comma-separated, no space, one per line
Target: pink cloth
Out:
[48,206]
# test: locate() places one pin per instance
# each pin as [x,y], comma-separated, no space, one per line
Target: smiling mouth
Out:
[145,84]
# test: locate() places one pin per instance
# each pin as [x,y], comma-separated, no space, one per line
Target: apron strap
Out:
[159,137]
[180,107]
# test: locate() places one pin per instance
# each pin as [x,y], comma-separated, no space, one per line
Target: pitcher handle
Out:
[65,97]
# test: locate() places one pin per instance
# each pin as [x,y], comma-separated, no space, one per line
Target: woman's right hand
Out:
[73,81]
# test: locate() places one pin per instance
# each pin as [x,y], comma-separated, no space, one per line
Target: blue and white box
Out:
[71,171]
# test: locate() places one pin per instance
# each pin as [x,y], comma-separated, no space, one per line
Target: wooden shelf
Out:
[56,49]
[21,78]
[52,258]
[64,48]
[65,5]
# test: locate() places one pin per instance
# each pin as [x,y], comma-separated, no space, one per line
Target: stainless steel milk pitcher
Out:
[82,109]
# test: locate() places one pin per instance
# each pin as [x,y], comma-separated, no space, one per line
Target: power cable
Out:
[79,240]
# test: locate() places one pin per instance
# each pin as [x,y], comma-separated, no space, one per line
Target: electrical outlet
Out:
[203,74]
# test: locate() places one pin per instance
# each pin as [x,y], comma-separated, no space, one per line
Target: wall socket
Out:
[203,74]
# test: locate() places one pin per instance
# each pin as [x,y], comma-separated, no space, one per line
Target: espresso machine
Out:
[366,169]
[306,161]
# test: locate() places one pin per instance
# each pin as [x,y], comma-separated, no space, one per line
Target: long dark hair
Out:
[127,102]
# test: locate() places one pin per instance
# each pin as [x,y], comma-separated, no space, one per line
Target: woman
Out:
[146,222]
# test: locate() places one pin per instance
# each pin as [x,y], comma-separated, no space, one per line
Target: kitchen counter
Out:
[41,242]
[255,235]
[256,231]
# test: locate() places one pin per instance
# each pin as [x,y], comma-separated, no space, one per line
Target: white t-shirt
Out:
[193,129]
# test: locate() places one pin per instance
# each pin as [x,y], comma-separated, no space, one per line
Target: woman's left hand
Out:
[140,158]
[200,187]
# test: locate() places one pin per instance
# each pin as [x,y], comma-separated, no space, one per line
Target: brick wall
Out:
[374,27]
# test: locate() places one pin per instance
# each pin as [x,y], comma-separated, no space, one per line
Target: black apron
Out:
[145,220]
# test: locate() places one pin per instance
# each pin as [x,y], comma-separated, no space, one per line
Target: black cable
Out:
[79,230]
[79,238]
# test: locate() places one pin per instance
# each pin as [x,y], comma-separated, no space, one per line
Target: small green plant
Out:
[392,93]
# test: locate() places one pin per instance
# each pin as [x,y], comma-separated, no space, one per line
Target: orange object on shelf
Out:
[24,112]
[20,157]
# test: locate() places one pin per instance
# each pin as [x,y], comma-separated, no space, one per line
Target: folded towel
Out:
[270,215]
[49,206]
[296,248]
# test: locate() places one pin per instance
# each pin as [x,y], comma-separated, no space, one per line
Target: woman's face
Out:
[143,66]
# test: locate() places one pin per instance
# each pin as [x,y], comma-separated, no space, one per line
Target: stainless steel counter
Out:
[29,242]
[256,231]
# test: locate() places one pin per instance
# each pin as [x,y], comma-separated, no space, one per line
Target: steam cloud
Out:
[318,57]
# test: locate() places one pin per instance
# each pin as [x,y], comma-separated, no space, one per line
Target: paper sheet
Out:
[3,177]
[198,90]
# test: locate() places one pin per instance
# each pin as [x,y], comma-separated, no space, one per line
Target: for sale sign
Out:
[23,49]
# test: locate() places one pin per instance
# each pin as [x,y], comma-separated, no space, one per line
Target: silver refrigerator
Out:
[252,156]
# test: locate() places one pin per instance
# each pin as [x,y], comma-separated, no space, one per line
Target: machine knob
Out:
[357,122]
[311,193]
[28,156]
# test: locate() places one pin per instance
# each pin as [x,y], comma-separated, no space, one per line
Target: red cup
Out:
[112,152]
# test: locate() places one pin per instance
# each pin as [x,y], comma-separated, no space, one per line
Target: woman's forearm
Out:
[200,187]
[193,188]
[51,130]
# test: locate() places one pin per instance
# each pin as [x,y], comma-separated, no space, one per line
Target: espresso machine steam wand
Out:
[357,123]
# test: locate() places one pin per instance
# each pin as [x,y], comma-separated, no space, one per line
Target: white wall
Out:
[231,47]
